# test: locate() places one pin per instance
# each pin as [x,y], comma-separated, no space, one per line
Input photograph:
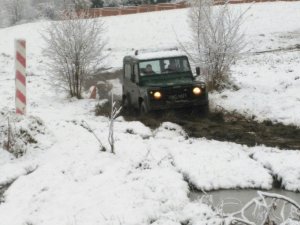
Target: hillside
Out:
[64,178]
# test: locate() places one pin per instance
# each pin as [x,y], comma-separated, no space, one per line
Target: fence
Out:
[99,12]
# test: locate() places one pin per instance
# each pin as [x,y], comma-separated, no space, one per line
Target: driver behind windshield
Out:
[149,70]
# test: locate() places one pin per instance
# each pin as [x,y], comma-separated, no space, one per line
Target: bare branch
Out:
[216,40]
[86,126]
[113,115]
[74,48]
[266,210]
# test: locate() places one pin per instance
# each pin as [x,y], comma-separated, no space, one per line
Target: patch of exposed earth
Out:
[217,126]
[228,127]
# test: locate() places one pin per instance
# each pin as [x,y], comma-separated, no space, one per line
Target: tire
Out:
[204,110]
[143,109]
[127,106]
[126,102]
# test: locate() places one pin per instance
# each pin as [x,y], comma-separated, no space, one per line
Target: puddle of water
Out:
[234,200]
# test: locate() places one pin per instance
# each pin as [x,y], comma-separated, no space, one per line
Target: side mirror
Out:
[198,71]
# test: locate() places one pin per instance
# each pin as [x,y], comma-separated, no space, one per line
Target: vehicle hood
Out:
[163,81]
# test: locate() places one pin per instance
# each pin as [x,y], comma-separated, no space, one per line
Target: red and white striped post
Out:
[93,92]
[20,67]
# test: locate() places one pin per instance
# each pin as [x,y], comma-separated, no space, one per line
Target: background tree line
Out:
[19,11]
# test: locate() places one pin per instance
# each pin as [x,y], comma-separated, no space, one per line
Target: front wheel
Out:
[204,110]
[143,109]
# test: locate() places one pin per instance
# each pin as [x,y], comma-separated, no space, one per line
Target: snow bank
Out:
[284,165]
[213,165]
[76,183]
[12,169]
[143,183]
[23,139]
[268,88]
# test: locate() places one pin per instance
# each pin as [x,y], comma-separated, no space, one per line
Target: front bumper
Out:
[186,103]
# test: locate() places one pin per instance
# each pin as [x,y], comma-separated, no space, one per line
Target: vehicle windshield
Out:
[164,66]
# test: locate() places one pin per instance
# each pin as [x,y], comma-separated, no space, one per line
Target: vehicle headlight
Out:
[157,95]
[197,91]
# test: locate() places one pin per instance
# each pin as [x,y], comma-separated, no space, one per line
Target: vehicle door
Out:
[131,80]
[135,89]
[127,83]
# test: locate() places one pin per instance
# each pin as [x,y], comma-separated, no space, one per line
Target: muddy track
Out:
[229,127]
[217,126]
[233,128]
[243,131]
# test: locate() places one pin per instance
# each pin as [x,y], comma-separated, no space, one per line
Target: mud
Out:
[218,126]
[227,127]
[243,131]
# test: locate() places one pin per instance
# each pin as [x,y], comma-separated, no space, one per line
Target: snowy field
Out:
[64,179]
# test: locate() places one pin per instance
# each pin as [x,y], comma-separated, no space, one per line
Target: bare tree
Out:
[46,10]
[216,39]
[114,112]
[113,115]
[52,9]
[75,4]
[74,47]
[17,10]
[82,4]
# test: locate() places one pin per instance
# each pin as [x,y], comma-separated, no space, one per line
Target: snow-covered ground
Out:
[268,83]
[65,179]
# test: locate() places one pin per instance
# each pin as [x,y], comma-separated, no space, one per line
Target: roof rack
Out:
[136,52]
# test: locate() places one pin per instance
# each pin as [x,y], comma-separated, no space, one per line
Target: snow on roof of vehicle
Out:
[158,53]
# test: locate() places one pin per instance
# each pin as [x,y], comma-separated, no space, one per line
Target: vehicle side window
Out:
[185,65]
[127,71]
[136,73]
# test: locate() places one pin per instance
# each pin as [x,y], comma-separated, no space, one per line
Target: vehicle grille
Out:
[177,93]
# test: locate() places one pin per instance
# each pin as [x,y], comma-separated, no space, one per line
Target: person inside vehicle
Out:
[149,70]
[172,66]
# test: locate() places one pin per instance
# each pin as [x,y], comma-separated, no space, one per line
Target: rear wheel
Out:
[127,106]
[126,102]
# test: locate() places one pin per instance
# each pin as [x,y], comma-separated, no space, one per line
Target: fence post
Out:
[20,79]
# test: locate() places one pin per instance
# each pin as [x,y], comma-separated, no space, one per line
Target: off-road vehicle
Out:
[161,80]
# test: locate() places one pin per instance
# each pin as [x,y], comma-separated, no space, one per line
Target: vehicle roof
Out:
[156,54]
